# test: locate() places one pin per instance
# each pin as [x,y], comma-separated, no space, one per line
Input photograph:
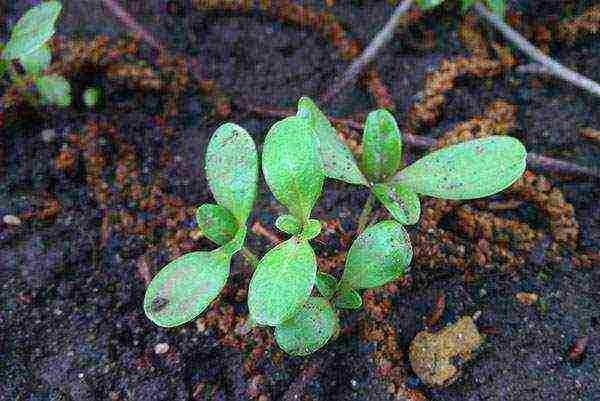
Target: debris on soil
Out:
[527,298]
[432,354]
[577,350]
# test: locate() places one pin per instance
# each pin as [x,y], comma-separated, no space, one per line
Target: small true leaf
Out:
[34,29]
[288,224]
[232,169]
[54,89]
[382,146]
[185,287]
[91,96]
[311,229]
[309,329]
[402,203]
[282,282]
[467,170]
[236,243]
[429,4]
[216,223]
[325,284]
[347,298]
[380,254]
[338,160]
[292,166]
[36,61]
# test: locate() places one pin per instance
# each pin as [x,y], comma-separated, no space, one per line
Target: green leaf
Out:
[402,203]
[232,169]
[34,29]
[338,160]
[216,223]
[36,61]
[236,243]
[325,284]
[309,329]
[91,96]
[54,89]
[311,229]
[498,7]
[466,4]
[382,146]
[292,166]
[429,4]
[185,287]
[467,170]
[380,254]
[282,282]
[288,224]
[347,298]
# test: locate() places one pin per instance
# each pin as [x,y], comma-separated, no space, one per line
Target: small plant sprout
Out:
[287,291]
[186,286]
[91,97]
[29,44]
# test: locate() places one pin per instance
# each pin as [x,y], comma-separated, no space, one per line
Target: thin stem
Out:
[249,257]
[359,64]
[526,47]
[363,219]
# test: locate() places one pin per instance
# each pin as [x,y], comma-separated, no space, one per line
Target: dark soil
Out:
[71,320]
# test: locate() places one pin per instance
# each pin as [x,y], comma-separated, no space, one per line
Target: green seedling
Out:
[287,291]
[91,97]
[498,7]
[29,45]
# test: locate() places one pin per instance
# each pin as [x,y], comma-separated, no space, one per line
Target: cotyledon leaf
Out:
[402,203]
[185,287]
[325,284]
[32,30]
[338,160]
[282,282]
[216,223]
[292,166]
[232,169]
[382,146]
[309,329]
[468,170]
[54,89]
[36,61]
[380,254]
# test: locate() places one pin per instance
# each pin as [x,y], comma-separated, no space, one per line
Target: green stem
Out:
[363,219]
[249,257]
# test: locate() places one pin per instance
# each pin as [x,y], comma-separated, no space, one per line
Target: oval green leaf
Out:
[288,224]
[232,169]
[309,329]
[36,61]
[347,298]
[91,96]
[498,7]
[382,146]
[429,4]
[467,170]
[292,166]
[54,89]
[34,29]
[282,282]
[185,287]
[311,229]
[402,203]
[216,223]
[380,254]
[326,284]
[338,160]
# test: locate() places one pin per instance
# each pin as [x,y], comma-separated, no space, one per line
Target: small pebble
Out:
[527,298]
[11,220]
[161,348]
[48,135]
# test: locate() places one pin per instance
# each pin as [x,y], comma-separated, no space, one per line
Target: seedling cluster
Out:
[299,152]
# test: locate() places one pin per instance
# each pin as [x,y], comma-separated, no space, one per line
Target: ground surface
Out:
[72,326]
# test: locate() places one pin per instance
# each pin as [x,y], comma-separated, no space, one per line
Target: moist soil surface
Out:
[71,320]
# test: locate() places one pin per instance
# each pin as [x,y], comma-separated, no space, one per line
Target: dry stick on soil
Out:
[549,64]
[359,64]
[534,161]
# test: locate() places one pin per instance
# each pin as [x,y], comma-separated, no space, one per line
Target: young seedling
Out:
[186,286]
[29,44]
[298,153]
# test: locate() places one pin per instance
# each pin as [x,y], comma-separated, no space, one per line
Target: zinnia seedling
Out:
[29,43]
[298,153]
